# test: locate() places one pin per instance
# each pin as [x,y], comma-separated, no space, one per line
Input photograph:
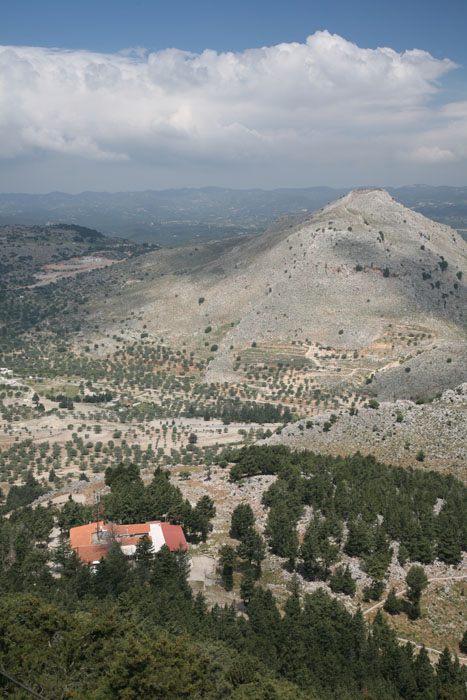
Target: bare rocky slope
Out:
[432,435]
[340,277]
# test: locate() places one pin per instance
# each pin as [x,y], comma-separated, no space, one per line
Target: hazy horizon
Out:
[238,189]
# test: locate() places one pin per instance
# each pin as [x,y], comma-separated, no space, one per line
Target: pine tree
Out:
[293,652]
[424,676]
[283,538]
[358,645]
[445,672]
[227,562]
[337,580]
[392,604]
[358,539]
[348,582]
[328,553]
[416,581]
[61,553]
[463,643]
[247,586]
[144,557]
[403,555]
[242,521]
[113,573]
[253,549]
[200,516]
[449,545]
[308,554]
[169,572]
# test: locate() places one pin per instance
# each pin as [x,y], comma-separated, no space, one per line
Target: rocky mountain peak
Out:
[342,276]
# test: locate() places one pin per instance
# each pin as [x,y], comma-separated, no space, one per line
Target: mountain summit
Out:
[342,277]
[356,277]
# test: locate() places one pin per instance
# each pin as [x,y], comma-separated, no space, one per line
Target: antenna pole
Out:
[98,498]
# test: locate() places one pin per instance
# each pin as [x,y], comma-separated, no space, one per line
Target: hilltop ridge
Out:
[342,276]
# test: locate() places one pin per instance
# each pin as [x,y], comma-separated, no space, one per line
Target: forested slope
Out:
[136,630]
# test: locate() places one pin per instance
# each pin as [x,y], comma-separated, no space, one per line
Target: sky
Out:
[114,95]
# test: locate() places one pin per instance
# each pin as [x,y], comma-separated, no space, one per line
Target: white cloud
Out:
[431,154]
[446,142]
[326,99]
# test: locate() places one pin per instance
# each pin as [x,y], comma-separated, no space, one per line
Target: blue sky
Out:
[400,119]
[111,25]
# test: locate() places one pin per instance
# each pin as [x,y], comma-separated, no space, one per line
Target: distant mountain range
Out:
[179,216]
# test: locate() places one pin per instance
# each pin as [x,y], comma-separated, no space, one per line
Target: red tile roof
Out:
[84,539]
[174,537]
[92,552]
[81,536]
[138,529]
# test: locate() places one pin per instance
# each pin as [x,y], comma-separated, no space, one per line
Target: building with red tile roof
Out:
[91,542]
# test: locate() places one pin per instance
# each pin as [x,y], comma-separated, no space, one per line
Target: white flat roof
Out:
[157,536]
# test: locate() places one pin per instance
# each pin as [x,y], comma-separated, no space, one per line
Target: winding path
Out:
[380,603]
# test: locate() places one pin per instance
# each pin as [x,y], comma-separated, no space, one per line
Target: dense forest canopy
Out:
[423,511]
[136,630]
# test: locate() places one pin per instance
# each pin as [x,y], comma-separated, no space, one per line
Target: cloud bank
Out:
[324,100]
